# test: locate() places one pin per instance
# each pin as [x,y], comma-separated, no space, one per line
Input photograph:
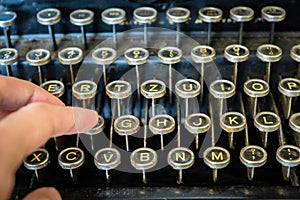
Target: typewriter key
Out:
[143,159]
[8,56]
[269,53]
[294,123]
[104,56]
[153,89]
[232,122]
[241,14]
[170,55]
[96,130]
[187,88]
[113,16]
[37,160]
[273,14]
[145,15]
[236,53]
[49,17]
[288,156]
[118,90]
[82,17]
[181,158]
[7,19]
[197,123]
[71,158]
[210,15]
[216,158]
[266,122]
[253,156]
[38,57]
[178,15]
[107,159]
[160,125]
[295,55]
[127,125]
[289,87]
[70,56]
[256,88]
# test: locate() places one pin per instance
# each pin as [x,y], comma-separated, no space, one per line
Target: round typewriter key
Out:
[153,89]
[266,122]
[236,53]
[273,14]
[289,87]
[232,122]
[7,19]
[57,88]
[187,88]
[38,57]
[181,158]
[178,15]
[49,17]
[295,55]
[160,125]
[252,157]
[210,15]
[288,156]
[269,53]
[143,159]
[37,160]
[107,159]
[113,16]
[216,158]
[8,56]
[118,90]
[241,14]
[197,123]
[71,158]
[70,56]
[127,125]
[294,123]
[96,130]
[82,17]
[256,88]
[145,15]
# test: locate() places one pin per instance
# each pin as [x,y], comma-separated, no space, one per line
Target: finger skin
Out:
[46,193]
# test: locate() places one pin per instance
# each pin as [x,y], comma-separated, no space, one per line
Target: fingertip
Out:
[45,193]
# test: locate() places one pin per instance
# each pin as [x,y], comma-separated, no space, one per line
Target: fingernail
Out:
[84,120]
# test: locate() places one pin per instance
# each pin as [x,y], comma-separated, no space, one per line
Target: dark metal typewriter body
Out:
[276,175]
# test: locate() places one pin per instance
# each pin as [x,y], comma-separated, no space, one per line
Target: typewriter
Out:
[196,99]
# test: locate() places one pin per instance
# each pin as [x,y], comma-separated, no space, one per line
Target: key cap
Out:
[288,156]
[7,19]
[118,90]
[255,88]
[82,18]
[145,15]
[295,55]
[160,125]
[127,125]
[241,14]
[252,157]
[96,130]
[236,53]
[210,15]
[178,15]
[290,88]
[153,89]
[216,158]
[266,122]
[232,122]
[49,17]
[269,53]
[187,88]
[143,159]
[107,159]
[273,14]
[181,158]
[38,57]
[294,123]
[37,160]
[70,56]
[8,56]
[104,56]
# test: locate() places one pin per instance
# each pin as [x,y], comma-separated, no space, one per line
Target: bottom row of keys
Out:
[178,158]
